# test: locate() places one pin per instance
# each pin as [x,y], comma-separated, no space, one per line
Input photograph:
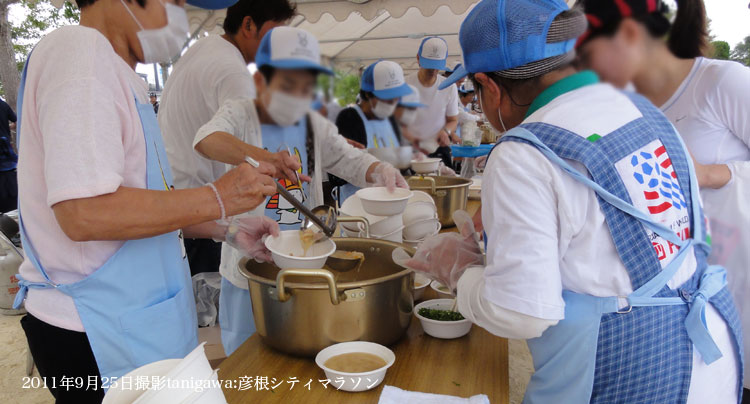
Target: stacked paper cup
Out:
[420,219]
[182,381]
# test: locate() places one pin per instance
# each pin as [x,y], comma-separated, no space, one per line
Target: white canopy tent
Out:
[356,32]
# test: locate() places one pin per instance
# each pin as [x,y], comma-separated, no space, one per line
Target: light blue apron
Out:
[138,307]
[235,308]
[379,134]
[604,353]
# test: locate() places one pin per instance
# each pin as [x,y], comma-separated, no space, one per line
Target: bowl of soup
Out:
[298,249]
[421,281]
[443,291]
[355,366]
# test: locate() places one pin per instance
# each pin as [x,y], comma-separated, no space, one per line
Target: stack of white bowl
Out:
[420,219]
[381,227]
[185,381]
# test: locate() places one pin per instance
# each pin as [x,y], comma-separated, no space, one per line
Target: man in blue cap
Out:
[434,128]
[370,122]
[596,243]
[280,118]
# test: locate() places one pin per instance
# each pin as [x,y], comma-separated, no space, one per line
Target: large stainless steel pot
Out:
[301,311]
[449,193]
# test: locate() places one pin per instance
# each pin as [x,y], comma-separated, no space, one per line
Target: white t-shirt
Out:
[550,234]
[82,137]
[710,110]
[440,104]
[211,72]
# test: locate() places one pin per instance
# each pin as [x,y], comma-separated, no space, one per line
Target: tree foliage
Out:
[41,17]
[720,50]
[741,52]
[345,87]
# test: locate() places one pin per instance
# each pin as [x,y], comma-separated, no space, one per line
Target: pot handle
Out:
[317,273]
[431,180]
[357,219]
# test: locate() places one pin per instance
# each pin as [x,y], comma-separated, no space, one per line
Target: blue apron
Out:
[379,134]
[235,308]
[138,307]
[601,352]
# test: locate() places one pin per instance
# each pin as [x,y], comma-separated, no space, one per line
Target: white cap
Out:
[385,79]
[433,51]
[289,48]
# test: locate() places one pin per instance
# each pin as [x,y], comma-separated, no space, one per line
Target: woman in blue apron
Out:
[596,238]
[105,280]
[371,122]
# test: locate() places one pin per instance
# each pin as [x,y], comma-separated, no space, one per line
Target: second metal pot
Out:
[449,193]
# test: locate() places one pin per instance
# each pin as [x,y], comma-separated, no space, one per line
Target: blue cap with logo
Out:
[500,35]
[290,48]
[433,52]
[385,79]
[212,4]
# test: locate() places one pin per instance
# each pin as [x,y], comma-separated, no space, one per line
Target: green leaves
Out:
[41,17]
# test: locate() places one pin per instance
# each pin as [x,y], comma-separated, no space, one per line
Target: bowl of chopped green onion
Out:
[440,320]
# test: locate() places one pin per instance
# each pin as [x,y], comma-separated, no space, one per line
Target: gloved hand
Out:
[446,171]
[480,162]
[445,256]
[419,156]
[386,175]
[247,233]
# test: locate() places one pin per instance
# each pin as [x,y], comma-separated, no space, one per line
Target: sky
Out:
[730,22]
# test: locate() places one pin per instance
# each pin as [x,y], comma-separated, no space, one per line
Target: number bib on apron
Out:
[601,352]
[279,138]
[379,134]
[138,307]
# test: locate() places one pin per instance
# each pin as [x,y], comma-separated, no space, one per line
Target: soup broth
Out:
[355,362]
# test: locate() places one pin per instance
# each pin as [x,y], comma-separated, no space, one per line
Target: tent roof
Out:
[358,32]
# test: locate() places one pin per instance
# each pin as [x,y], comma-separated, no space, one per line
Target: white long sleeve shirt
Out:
[548,233]
[333,155]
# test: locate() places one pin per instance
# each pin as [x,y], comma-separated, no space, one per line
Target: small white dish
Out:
[442,290]
[355,382]
[119,393]
[421,196]
[421,281]
[426,165]
[379,201]
[194,366]
[421,229]
[287,251]
[397,235]
[418,211]
[378,224]
[442,329]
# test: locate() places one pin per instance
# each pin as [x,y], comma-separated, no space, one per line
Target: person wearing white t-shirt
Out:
[705,99]
[104,280]
[596,241]
[434,128]
[212,71]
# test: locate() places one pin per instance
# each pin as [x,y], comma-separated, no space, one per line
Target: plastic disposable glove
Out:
[481,161]
[386,175]
[446,171]
[247,234]
[419,156]
[445,256]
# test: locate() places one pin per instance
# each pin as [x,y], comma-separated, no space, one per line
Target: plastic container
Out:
[421,282]
[287,252]
[380,202]
[442,329]
[355,382]
[425,166]
[421,229]
[441,290]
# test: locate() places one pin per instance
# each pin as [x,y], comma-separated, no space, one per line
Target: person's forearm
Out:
[209,230]
[222,146]
[714,175]
[495,319]
[133,213]
[451,123]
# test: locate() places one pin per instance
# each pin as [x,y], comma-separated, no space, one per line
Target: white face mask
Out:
[285,109]
[383,110]
[160,45]
[408,117]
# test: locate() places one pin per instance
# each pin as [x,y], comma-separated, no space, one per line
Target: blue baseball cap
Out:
[466,88]
[433,52]
[449,70]
[211,4]
[290,48]
[385,79]
[500,35]
[411,100]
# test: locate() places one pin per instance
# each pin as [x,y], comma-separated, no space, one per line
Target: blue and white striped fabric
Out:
[645,355]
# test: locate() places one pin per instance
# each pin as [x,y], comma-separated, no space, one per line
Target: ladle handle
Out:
[316,273]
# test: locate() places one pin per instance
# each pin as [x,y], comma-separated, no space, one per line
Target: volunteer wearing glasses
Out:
[288,61]
[371,122]
[705,99]
[105,279]
[596,247]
